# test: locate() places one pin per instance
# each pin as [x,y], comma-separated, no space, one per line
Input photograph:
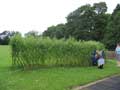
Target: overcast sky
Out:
[27,15]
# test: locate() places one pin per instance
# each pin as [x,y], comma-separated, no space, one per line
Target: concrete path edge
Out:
[92,83]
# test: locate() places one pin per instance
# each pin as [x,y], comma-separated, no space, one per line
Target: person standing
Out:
[94,59]
[117,52]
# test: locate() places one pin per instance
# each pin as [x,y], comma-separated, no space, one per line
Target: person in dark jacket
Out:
[94,58]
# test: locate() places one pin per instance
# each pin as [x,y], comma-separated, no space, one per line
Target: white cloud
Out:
[25,15]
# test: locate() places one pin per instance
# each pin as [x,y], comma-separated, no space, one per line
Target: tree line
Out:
[88,22]
[6,35]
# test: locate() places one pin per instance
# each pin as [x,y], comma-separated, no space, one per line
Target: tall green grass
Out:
[32,52]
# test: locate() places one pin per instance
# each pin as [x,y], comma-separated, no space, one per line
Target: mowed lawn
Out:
[55,78]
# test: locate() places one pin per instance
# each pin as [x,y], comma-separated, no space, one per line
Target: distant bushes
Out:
[33,52]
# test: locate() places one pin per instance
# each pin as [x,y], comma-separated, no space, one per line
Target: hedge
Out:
[30,52]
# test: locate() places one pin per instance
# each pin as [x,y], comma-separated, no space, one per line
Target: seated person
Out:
[97,55]
[101,62]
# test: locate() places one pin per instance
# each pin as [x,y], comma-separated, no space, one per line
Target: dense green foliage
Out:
[35,52]
[90,23]
[85,23]
[32,33]
[55,31]
[80,23]
[112,35]
[5,37]
[55,78]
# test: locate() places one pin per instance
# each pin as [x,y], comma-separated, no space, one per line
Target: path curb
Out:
[92,83]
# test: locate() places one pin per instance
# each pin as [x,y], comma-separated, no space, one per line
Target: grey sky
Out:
[27,15]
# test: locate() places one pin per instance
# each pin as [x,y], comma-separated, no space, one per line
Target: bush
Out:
[32,52]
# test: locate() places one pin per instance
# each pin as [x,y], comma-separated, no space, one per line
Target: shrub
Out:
[32,52]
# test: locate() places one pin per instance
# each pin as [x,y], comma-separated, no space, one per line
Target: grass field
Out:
[55,78]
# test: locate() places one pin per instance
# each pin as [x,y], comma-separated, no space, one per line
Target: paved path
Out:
[112,83]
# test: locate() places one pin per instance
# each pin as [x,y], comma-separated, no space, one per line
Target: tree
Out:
[87,22]
[32,33]
[100,20]
[50,32]
[5,37]
[112,35]
[80,23]
[117,9]
[100,8]
[55,31]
